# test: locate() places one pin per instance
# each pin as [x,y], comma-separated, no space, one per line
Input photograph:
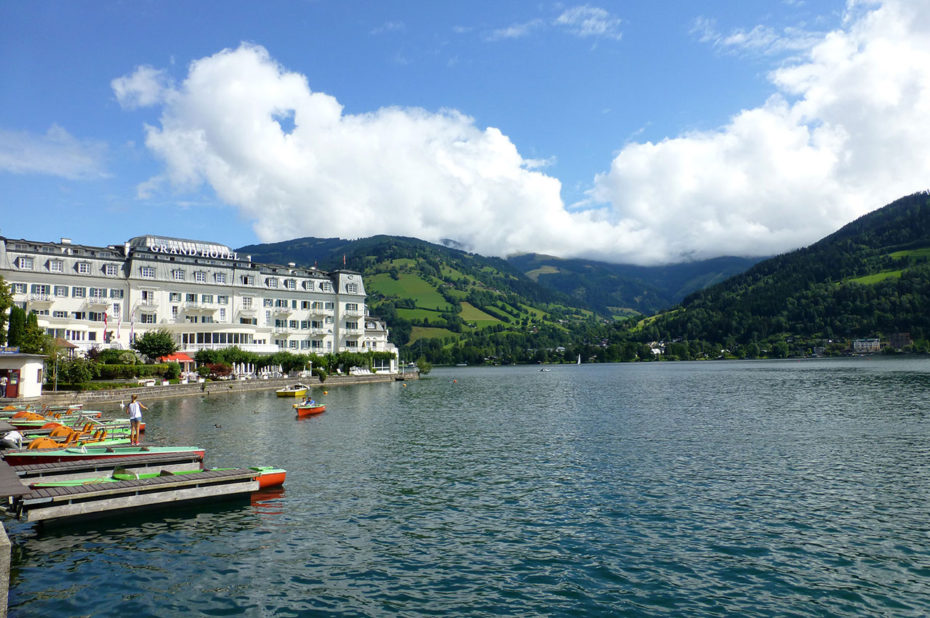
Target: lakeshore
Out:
[118,395]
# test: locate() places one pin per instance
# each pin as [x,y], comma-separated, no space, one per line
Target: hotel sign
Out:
[194,249]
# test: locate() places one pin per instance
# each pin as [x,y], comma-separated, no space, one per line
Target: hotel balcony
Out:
[96,302]
[147,304]
[198,308]
[281,311]
[40,300]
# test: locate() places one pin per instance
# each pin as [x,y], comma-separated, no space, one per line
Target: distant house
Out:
[899,341]
[866,346]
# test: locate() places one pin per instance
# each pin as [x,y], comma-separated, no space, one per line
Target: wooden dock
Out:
[100,499]
[57,503]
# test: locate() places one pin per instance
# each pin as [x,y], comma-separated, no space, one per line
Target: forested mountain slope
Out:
[870,278]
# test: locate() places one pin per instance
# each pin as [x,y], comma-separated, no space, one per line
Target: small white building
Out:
[24,374]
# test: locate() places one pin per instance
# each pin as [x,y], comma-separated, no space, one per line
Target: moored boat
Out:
[309,409]
[294,390]
[267,476]
[80,453]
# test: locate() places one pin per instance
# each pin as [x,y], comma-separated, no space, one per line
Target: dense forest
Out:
[869,279]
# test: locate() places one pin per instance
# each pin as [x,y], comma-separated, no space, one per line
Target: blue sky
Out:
[645,132]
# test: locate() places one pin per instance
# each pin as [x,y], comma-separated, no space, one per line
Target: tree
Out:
[17,326]
[6,301]
[155,343]
[34,339]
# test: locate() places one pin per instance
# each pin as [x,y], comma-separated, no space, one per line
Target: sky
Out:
[629,132]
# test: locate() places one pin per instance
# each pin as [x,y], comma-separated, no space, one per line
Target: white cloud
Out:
[843,133]
[589,21]
[581,21]
[146,86]
[516,31]
[57,153]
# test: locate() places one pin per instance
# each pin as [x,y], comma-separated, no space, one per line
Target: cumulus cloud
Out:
[590,21]
[56,153]
[146,86]
[842,133]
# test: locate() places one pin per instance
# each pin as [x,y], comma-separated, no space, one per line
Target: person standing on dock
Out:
[135,419]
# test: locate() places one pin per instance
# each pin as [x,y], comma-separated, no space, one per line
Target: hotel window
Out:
[177,274]
[79,292]
[147,318]
[78,315]
[18,288]
[114,293]
[247,279]
[206,298]
[351,344]
[281,303]
[116,310]
[351,307]
[147,272]
[352,288]
[268,302]
[174,311]
[222,315]
[290,284]
[61,290]
[40,289]
[82,267]
[111,269]
[351,325]
[56,266]
[190,298]
[200,276]
[329,306]
[174,297]
[222,300]
[326,286]
[96,316]
[271,282]
[317,305]
[292,324]
[59,314]
[98,293]
[246,302]
[24,263]
[219,277]
[305,304]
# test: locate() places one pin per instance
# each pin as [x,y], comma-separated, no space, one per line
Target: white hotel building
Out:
[204,294]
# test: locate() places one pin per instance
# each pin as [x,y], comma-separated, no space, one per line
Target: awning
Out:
[177,357]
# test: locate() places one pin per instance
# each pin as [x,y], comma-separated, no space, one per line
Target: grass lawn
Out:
[877,277]
[406,285]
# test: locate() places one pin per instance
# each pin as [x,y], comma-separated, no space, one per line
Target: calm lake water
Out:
[699,489]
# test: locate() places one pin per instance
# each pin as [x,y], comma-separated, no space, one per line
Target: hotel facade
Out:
[205,294]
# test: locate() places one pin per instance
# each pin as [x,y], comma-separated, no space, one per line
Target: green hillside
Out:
[869,279]
[446,304]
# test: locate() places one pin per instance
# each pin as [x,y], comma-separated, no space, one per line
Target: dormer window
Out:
[271,282]
[177,274]
[352,288]
[290,284]
[111,269]
[56,266]
[82,267]
[25,263]
[200,276]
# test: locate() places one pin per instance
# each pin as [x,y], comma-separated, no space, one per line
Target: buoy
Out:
[326,392]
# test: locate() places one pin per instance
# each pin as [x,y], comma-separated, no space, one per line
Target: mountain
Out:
[624,289]
[869,279]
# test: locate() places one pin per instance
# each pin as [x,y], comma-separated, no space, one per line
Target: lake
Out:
[700,489]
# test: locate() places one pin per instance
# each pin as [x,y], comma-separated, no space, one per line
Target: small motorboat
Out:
[294,390]
[309,408]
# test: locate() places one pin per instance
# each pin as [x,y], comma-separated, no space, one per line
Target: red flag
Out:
[343,259]
[104,325]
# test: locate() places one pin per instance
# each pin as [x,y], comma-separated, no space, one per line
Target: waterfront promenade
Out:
[218,386]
